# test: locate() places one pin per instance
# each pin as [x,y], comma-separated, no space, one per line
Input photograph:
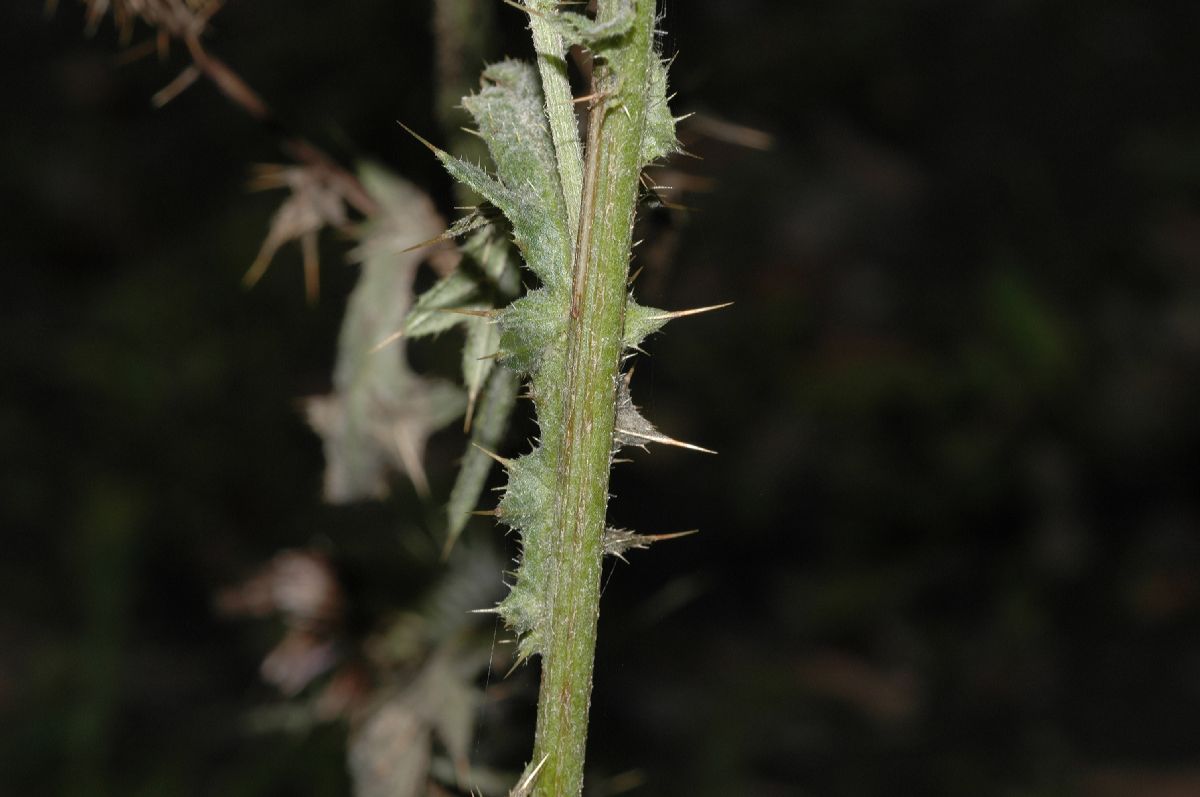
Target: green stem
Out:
[596,325]
[560,105]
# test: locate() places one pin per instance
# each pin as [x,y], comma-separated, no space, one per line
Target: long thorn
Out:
[312,267]
[418,137]
[392,338]
[176,87]
[693,311]
[257,269]
[520,660]
[526,783]
[421,245]
[672,536]
[469,418]
[468,311]
[668,441]
[505,462]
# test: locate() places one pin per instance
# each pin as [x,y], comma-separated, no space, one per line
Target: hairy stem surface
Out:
[585,438]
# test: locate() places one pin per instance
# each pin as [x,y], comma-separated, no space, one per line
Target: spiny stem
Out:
[595,331]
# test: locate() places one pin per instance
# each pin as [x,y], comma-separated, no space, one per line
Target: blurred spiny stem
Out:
[585,440]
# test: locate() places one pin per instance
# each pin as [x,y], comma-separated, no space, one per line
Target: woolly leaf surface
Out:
[478,179]
[631,427]
[658,140]
[532,325]
[641,322]
[527,506]
[510,114]
[583,30]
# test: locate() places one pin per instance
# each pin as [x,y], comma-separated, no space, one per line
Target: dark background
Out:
[949,546]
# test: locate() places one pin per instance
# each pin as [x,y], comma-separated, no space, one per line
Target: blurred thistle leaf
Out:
[487,276]
[298,659]
[302,588]
[390,748]
[495,407]
[428,655]
[389,753]
[382,413]
[448,702]
[299,585]
[471,580]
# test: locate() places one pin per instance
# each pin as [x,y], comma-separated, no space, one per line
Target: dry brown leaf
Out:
[316,201]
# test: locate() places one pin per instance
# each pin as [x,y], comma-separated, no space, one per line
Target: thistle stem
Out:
[595,331]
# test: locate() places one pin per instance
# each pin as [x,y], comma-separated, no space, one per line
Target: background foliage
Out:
[949,547]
